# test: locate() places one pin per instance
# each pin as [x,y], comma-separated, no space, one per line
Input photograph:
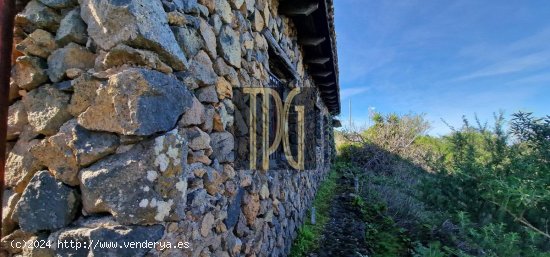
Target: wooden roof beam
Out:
[280,53]
[328,84]
[294,8]
[312,41]
[323,74]
[319,60]
[328,91]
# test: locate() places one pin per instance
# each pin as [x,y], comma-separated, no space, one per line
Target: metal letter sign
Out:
[281,132]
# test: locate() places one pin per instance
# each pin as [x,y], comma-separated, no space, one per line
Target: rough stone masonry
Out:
[122,128]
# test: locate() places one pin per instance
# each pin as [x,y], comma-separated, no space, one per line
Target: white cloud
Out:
[515,64]
[352,91]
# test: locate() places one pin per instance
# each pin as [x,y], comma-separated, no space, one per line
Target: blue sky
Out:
[443,58]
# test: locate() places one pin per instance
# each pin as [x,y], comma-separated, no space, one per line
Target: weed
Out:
[309,234]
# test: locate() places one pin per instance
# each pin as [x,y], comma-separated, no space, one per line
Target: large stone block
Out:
[207,94]
[39,43]
[195,116]
[224,89]
[72,29]
[112,234]
[46,204]
[209,38]
[125,55]
[73,147]
[20,164]
[201,69]
[230,46]
[59,4]
[29,72]
[188,39]
[234,209]
[47,109]
[223,145]
[137,102]
[69,57]
[224,10]
[37,16]
[198,140]
[137,23]
[84,92]
[9,223]
[144,185]
[17,119]
[212,180]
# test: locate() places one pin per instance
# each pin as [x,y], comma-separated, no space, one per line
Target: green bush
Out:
[346,151]
[432,250]
[382,235]
[478,191]
[501,180]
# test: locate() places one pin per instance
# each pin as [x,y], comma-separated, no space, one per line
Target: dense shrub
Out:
[500,179]
[478,191]
[391,138]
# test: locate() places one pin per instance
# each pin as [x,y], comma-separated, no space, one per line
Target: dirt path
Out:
[344,234]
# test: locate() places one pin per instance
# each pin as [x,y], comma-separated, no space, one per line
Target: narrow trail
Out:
[344,234]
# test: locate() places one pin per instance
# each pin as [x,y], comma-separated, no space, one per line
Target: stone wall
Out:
[121,128]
